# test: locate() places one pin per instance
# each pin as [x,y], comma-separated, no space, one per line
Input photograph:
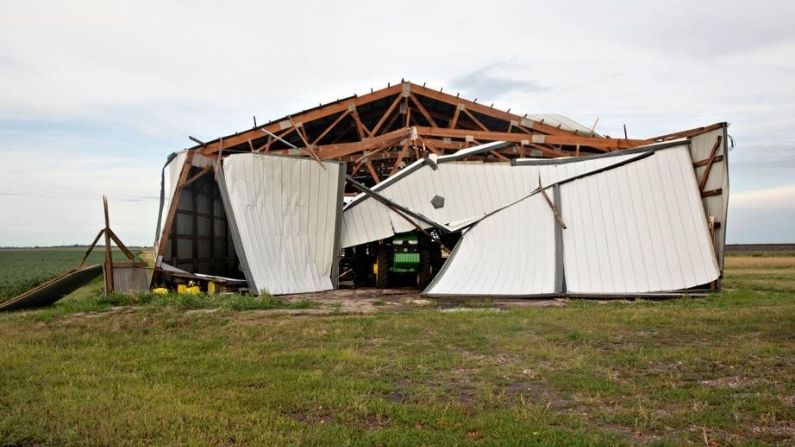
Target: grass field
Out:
[714,371]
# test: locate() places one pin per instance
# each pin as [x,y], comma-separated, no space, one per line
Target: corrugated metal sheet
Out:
[172,172]
[285,213]
[470,191]
[636,229]
[717,205]
[511,253]
[631,229]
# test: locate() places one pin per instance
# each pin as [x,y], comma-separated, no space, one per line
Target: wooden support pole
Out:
[108,253]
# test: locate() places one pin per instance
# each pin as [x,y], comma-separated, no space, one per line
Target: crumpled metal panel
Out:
[285,214]
[471,190]
[172,172]
[637,228]
[511,253]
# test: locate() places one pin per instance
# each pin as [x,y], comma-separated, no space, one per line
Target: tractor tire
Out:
[425,275]
[363,268]
[382,264]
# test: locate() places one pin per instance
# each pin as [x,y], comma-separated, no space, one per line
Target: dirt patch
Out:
[367,300]
[732,382]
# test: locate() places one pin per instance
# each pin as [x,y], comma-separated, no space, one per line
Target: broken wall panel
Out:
[171,174]
[510,255]
[716,189]
[469,190]
[636,229]
[285,214]
[628,228]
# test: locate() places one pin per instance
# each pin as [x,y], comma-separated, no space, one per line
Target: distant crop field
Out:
[22,269]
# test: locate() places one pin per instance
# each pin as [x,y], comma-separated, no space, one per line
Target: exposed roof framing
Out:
[380,132]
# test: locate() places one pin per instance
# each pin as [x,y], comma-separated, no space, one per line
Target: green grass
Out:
[656,373]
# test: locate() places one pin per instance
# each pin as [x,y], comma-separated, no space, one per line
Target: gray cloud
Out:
[484,84]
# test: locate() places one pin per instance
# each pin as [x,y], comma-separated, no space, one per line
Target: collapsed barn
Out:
[458,197]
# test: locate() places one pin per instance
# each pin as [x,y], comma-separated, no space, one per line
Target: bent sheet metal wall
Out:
[285,214]
[470,191]
[171,178]
[633,229]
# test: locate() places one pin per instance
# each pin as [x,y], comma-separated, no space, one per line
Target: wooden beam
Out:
[710,161]
[363,131]
[486,110]
[704,162]
[690,132]
[477,121]
[108,253]
[454,121]
[308,147]
[331,126]
[196,177]
[402,154]
[371,169]
[422,110]
[386,115]
[603,144]
[303,117]
[333,151]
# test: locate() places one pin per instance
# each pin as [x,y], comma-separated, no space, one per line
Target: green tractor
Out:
[405,259]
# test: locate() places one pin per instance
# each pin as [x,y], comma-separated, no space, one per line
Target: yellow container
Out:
[183,289]
[160,291]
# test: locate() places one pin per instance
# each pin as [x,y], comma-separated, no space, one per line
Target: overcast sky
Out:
[95,94]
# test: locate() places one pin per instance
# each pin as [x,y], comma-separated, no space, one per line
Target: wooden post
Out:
[108,254]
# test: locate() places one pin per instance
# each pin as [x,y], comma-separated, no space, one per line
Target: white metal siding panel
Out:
[470,189]
[285,211]
[510,253]
[716,206]
[366,222]
[172,173]
[637,228]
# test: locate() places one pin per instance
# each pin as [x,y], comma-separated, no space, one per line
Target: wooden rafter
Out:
[422,110]
[454,121]
[386,114]
[475,120]
[331,127]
